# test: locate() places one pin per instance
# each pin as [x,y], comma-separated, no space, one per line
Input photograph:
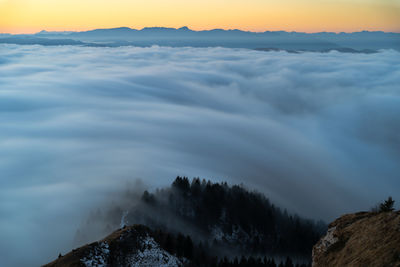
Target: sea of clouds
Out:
[318,133]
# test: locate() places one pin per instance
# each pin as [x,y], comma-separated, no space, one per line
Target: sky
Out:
[318,133]
[29,16]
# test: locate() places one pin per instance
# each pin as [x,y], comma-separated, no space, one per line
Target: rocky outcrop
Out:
[360,239]
[130,246]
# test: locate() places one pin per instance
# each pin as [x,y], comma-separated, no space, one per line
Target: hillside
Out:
[200,223]
[360,239]
[138,245]
[131,246]
[231,220]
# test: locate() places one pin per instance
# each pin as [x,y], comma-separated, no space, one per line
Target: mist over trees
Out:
[200,254]
[222,219]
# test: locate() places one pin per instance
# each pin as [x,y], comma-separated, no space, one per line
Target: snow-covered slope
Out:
[130,246]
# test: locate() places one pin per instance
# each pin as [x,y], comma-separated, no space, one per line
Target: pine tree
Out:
[387,205]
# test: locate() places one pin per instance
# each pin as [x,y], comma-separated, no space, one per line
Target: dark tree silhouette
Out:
[387,205]
[226,221]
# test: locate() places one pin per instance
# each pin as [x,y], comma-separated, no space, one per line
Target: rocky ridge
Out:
[129,246]
[360,239]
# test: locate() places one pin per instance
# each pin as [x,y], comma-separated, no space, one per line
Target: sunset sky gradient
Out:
[29,16]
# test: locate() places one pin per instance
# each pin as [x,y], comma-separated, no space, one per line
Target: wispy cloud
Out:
[318,133]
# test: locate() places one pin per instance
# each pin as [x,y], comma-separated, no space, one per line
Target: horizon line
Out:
[186,27]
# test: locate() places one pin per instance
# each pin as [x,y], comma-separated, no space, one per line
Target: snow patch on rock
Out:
[153,255]
[150,254]
[124,221]
[326,242]
[98,256]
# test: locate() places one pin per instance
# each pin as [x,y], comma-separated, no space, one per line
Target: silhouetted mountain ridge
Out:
[121,36]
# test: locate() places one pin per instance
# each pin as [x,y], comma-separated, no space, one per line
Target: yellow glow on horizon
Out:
[28,16]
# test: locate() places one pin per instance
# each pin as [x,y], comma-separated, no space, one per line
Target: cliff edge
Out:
[360,239]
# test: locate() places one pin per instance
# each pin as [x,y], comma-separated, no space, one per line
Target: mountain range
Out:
[364,42]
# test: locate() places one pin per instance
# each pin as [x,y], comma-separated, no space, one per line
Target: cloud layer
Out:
[317,132]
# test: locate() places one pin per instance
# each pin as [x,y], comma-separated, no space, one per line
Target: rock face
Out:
[130,246]
[360,239]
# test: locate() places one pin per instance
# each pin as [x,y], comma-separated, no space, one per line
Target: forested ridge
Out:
[229,219]
[204,223]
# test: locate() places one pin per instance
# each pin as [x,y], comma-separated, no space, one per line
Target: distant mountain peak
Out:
[184,28]
[116,29]
[44,32]
[157,28]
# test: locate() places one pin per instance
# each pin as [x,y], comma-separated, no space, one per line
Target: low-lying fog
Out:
[318,133]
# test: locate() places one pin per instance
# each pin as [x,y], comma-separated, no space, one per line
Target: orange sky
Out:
[28,16]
